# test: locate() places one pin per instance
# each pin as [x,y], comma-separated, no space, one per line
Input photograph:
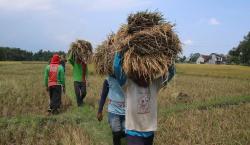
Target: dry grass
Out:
[22,90]
[201,83]
[39,132]
[18,89]
[223,126]
[202,88]
[216,71]
[143,20]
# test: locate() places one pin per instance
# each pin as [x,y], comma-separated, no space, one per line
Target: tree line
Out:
[241,53]
[238,55]
[17,54]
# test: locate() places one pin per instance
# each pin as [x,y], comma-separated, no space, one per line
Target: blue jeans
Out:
[116,122]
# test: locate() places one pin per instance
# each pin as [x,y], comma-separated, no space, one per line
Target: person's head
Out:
[55,59]
[62,57]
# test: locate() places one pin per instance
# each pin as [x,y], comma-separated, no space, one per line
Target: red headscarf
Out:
[55,59]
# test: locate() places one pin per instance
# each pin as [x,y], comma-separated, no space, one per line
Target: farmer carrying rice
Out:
[147,48]
[79,54]
[116,107]
[54,82]
[112,88]
[141,104]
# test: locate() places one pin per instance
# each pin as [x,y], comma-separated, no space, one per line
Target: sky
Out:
[204,26]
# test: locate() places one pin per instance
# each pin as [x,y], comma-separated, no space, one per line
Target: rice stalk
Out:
[82,50]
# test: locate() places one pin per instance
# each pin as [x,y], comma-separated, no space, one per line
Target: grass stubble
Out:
[23,104]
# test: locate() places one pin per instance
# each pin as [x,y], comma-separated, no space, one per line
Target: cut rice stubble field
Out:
[22,95]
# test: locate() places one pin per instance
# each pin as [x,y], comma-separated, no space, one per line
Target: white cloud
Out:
[22,5]
[188,42]
[109,5]
[214,21]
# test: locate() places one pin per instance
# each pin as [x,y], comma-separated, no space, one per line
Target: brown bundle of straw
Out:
[152,46]
[104,56]
[157,40]
[120,36]
[82,50]
[149,67]
[143,20]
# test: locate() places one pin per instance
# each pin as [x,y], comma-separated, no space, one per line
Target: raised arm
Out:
[117,67]
[71,59]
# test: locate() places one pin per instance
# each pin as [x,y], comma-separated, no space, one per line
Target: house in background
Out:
[213,58]
[217,59]
[202,59]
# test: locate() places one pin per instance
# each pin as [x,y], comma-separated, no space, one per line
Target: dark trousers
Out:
[80,91]
[135,140]
[55,93]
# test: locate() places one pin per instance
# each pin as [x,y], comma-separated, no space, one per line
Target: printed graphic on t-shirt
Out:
[52,73]
[143,106]
[53,68]
[117,104]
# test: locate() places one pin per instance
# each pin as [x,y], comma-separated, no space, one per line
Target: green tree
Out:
[17,54]
[241,53]
[194,57]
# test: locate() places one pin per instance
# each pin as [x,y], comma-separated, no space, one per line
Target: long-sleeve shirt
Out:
[60,75]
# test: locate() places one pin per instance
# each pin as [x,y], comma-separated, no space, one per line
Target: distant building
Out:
[216,59]
[202,59]
[213,58]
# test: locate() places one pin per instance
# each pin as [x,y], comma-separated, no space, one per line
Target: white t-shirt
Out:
[141,105]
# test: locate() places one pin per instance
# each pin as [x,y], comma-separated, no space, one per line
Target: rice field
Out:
[204,104]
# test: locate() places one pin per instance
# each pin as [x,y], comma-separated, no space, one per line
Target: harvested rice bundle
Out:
[151,48]
[120,36]
[147,66]
[143,20]
[157,40]
[82,50]
[104,56]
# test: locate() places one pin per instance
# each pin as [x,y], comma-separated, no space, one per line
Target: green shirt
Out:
[78,74]
[60,75]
